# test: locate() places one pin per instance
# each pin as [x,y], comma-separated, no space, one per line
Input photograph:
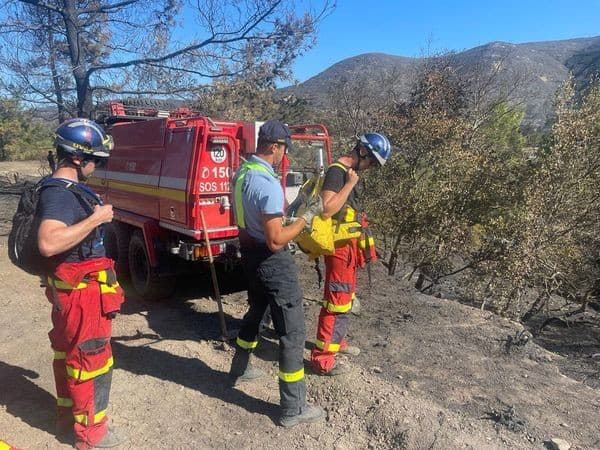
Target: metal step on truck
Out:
[169,181]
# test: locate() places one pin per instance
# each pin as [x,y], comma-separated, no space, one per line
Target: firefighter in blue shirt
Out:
[272,273]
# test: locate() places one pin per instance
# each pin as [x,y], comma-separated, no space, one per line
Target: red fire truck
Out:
[169,181]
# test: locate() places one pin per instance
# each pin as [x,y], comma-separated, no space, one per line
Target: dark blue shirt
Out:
[59,203]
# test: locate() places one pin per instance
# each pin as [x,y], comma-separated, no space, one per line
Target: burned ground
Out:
[432,374]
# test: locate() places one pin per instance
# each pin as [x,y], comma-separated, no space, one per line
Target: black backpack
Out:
[23,248]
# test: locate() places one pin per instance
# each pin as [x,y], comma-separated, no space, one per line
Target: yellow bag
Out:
[318,240]
[324,234]
[344,231]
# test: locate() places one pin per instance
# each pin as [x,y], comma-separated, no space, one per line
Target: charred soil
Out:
[432,374]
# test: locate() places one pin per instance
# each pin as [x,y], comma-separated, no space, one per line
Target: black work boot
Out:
[307,414]
[241,369]
[111,439]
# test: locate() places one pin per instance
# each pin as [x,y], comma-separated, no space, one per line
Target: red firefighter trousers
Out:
[83,308]
[340,285]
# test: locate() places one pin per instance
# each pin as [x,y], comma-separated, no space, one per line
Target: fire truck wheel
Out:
[116,243]
[147,284]
[232,279]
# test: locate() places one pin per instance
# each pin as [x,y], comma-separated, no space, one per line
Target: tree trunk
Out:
[394,256]
[537,305]
[62,114]
[84,96]
[78,63]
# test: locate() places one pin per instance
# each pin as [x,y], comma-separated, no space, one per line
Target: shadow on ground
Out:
[189,372]
[190,313]
[24,399]
[578,340]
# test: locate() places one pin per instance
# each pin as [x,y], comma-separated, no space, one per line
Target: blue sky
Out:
[405,27]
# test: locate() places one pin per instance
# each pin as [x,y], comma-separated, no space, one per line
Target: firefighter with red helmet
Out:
[353,246]
[81,285]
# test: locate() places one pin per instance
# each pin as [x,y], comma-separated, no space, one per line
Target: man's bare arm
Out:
[277,235]
[55,237]
[333,201]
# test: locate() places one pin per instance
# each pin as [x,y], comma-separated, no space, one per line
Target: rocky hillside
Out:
[528,73]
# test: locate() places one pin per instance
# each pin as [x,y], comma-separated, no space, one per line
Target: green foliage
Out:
[555,246]
[251,96]
[21,138]
[456,179]
[466,193]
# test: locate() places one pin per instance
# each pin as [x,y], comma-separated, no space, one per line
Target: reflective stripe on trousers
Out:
[291,377]
[83,375]
[331,307]
[83,418]
[83,360]
[245,344]
[334,318]
[327,346]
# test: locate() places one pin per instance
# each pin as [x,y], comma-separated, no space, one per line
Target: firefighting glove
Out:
[313,208]
[288,221]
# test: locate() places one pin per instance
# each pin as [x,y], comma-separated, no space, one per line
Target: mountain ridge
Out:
[532,70]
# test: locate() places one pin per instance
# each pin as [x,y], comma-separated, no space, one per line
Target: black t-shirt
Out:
[59,203]
[335,179]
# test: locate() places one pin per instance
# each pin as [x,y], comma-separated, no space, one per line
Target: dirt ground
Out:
[433,374]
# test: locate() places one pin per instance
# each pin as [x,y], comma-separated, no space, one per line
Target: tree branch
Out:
[146,92]
[42,4]
[106,8]
[211,40]
[195,72]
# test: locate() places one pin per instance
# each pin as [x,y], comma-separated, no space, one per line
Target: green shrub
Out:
[21,137]
[468,194]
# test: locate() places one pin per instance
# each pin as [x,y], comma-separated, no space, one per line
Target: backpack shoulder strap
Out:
[340,165]
[86,197]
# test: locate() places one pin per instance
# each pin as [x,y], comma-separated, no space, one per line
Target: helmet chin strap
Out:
[359,157]
[80,176]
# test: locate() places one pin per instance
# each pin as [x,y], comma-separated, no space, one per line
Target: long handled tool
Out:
[213,274]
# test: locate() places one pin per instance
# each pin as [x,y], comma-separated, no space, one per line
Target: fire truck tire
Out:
[116,241]
[147,284]
[232,279]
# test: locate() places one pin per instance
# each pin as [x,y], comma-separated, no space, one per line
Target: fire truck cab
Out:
[169,181]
